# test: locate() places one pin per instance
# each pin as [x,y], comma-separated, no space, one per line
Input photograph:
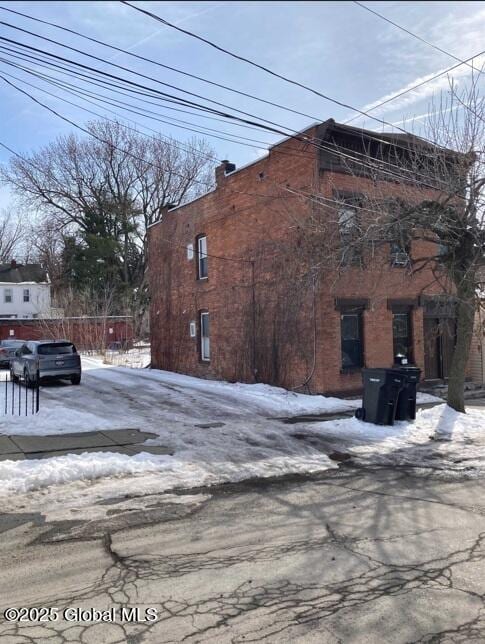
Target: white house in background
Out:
[25,291]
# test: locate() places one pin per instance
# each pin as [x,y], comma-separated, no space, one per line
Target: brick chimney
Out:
[13,264]
[164,209]
[224,168]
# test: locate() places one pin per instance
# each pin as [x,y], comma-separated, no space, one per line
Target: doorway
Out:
[439,341]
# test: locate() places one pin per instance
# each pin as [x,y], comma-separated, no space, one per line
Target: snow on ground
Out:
[70,409]
[440,438]
[186,470]
[137,358]
[221,432]
[262,398]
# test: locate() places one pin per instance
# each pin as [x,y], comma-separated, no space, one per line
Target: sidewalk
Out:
[124,441]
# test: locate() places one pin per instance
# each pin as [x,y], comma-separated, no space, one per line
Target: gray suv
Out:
[7,351]
[46,359]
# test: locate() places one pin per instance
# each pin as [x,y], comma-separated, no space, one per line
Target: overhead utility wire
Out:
[151,89]
[290,80]
[97,58]
[298,136]
[122,67]
[335,149]
[171,68]
[142,90]
[159,64]
[79,94]
[261,67]
[15,53]
[417,86]
[86,131]
[332,148]
[311,197]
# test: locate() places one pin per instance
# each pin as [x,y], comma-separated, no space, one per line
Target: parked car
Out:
[47,359]
[7,351]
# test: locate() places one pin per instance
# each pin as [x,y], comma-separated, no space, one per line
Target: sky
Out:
[337,48]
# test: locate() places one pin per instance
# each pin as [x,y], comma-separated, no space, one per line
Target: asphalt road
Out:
[353,556]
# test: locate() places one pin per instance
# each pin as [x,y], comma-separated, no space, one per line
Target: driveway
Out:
[360,556]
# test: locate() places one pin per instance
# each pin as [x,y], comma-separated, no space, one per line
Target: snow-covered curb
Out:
[24,476]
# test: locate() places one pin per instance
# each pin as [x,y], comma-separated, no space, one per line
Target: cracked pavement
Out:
[360,555]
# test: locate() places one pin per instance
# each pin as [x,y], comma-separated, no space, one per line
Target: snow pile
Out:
[440,438]
[137,358]
[185,470]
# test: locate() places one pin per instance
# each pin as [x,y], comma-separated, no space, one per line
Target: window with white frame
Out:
[8,295]
[205,353]
[202,257]
[26,294]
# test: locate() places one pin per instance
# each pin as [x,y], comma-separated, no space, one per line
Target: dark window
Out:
[348,215]
[351,340]
[56,348]
[205,353]
[202,272]
[401,335]
[26,295]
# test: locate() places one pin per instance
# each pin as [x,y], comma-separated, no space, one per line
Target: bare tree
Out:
[12,236]
[111,185]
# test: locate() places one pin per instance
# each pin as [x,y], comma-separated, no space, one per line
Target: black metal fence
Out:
[18,399]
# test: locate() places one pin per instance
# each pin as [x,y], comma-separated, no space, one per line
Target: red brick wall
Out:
[252,216]
[85,333]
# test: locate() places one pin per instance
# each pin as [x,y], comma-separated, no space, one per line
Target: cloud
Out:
[449,35]
[426,91]
[187,17]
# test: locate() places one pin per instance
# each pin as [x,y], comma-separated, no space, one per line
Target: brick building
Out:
[235,292]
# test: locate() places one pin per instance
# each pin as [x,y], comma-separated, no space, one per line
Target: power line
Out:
[311,197]
[298,137]
[262,67]
[126,69]
[185,102]
[313,142]
[22,56]
[135,55]
[159,64]
[79,93]
[334,148]
[292,81]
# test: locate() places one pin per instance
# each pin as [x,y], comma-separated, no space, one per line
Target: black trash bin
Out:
[406,402]
[381,391]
